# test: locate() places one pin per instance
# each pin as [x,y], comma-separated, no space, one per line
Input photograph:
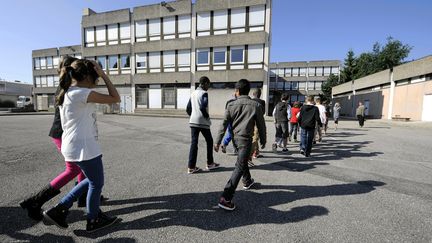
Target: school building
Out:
[403,92]
[155,54]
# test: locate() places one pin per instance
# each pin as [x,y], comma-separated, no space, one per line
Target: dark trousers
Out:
[293,129]
[360,120]
[307,136]
[194,146]
[241,170]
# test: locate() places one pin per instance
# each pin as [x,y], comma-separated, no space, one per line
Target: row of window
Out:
[48,62]
[234,20]
[296,85]
[208,23]
[46,81]
[303,71]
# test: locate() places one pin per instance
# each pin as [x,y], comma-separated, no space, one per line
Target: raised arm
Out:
[112,96]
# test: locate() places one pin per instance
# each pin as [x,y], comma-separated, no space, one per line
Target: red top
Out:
[294,112]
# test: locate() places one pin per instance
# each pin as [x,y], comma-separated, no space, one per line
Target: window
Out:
[326,71]
[102,62]
[50,81]
[140,30]
[302,85]
[256,18]
[38,81]
[318,85]
[154,61]
[219,56]
[237,54]
[238,20]
[125,33]
[335,70]
[280,72]
[203,23]
[113,62]
[294,85]
[287,72]
[100,36]
[183,59]
[295,72]
[319,71]
[141,97]
[256,54]
[56,81]
[169,97]
[154,29]
[43,62]
[220,22]
[113,34]
[125,61]
[273,72]
[89,37]
[141,61]
[56,62]
[303,71]
[49,61]
[169,61]
[203,56]
[37,63]
[169,27]
[43,81]
[311,71]
[184,26]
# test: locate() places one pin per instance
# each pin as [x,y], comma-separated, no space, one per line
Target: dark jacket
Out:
[261,102]
[281,112]
[243,113]
[309,116]
[56,130]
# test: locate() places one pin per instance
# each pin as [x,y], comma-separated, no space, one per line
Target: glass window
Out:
[141,29]
[203,56]
[319,71]
[237,54]
[102,62]
[287,72]
[220,19]
[326,71]
[37,63]
[169,59]
[256,15]
[219,56]
[113,62]
[56,61]
[141,96]
[43,62]
[89,35]
[113,34]
[125,31]
[169,96]
[203,21]
[311,85]
[141,60]
[184,24]
[273,72]
[43,81]
[125,61]
[50,81]
[56,81]
[154,27]
[294,85]
[302,72]
[238,17]
[302,85]
[256,54]
[295,72]
[318,85]
[100,35]
[154,59]
[311,71]
[335,70]
[169,25]
[49,61]
[38,81]
[183,57]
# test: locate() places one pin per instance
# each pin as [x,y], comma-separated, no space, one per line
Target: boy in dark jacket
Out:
[243,113]
[281,115]
[308,118]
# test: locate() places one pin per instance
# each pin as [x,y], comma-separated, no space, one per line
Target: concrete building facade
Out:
[155,54]
[299,79]
[402,92]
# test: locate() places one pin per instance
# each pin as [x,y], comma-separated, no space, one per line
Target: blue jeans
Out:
[307,136]
[195,131]
[93,170]
[227,139]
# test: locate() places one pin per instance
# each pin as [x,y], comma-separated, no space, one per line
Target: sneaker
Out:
[57,216]
[213,166]
[247,186]
[250,163]
[274,147]
[227,205]
[194,170]
[302,152]
[285,150]
[102,221]
[223,149]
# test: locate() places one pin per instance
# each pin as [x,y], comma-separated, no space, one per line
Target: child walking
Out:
[243,114]
[80,139]
[308,118]
[294,121]
[281,115]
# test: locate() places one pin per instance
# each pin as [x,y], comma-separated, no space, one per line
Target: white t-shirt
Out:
[322,112]
[80,133]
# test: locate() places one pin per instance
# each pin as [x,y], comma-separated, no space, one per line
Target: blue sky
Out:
[301,30]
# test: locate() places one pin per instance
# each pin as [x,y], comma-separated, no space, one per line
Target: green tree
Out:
[327,86]
[350,67]
[392,54]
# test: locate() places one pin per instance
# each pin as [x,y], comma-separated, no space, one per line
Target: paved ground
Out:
[360,185]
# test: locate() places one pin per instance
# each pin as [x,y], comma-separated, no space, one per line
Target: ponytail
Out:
[65,81]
